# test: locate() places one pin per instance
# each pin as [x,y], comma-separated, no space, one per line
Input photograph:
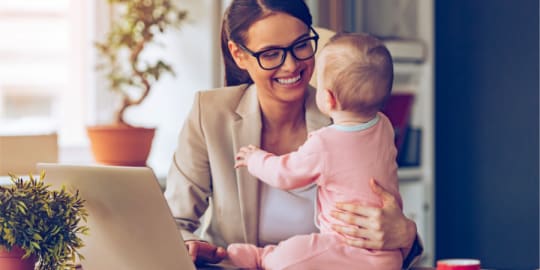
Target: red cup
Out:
[458,264]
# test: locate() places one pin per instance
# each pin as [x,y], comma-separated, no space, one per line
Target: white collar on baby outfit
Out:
[357,127]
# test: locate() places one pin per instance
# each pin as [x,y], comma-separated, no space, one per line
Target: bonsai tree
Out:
[44,223]
[136,26]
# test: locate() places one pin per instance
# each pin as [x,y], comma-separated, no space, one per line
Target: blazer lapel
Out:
[247,130]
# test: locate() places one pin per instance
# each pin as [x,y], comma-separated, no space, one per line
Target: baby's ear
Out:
[331,100]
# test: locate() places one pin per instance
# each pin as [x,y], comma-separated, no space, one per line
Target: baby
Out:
[355,77]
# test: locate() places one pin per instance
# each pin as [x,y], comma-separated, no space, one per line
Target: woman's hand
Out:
[376,228]
[203,252]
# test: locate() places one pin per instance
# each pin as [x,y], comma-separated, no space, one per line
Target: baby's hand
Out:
[243,154]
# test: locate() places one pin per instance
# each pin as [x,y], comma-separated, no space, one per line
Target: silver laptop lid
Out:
[131,226]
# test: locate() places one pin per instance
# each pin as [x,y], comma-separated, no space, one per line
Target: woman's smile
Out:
[289,80]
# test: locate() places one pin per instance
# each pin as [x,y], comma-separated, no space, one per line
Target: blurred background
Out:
[472,184]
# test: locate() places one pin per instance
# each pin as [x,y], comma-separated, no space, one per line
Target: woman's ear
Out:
[237,54]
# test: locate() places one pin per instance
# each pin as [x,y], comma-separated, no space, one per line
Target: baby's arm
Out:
[290,171]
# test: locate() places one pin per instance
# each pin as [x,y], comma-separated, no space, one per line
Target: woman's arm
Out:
[188,181]
[189,187]
[379,228]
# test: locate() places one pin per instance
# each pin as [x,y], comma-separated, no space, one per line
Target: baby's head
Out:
[358,70]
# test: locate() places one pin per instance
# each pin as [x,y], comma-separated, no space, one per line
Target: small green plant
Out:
[136,26]
[42,222]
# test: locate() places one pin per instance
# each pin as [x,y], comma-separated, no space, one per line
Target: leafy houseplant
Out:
[135,27]
[42,222]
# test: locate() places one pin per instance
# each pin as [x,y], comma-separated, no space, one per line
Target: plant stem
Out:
[134,56]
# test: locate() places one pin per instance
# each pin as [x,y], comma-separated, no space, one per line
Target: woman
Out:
[268,103]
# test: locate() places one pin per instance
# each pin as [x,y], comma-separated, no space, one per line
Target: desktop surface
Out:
[220,267]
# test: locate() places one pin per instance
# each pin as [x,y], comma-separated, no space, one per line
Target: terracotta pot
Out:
[121,145]
[12,260]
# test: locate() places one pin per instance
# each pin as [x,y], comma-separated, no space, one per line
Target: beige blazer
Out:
[202,175]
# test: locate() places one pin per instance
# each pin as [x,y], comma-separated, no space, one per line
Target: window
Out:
[47,78]
[44,67]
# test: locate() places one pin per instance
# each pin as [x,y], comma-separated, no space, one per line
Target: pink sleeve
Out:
[289,171]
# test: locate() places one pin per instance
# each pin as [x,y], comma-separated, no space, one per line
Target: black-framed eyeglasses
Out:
[273,58]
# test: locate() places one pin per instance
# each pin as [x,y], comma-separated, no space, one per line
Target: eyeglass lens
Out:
[302,50]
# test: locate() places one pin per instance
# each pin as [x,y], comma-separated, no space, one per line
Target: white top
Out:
[294,208]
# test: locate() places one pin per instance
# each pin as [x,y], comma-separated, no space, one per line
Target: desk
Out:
[226,267]
[216,267]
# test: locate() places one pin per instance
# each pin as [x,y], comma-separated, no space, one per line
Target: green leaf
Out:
[42,221]
[35,245]
[21,209]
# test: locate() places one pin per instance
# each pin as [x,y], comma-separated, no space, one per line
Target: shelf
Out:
[412,173]
[403,50]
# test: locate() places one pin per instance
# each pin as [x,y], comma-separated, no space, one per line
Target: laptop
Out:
[131,226]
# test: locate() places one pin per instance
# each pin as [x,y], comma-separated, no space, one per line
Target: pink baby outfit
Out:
[340,160]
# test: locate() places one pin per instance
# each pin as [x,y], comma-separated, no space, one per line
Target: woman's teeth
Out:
[289,80]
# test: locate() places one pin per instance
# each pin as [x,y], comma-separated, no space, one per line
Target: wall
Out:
[487,132]
[193,50]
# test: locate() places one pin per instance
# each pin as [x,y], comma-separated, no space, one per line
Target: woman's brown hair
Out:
[239,16]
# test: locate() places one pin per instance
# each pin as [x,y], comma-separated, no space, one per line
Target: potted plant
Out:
[38,224]
[133,28]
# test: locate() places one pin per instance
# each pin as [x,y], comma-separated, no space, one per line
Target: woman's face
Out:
[288,82]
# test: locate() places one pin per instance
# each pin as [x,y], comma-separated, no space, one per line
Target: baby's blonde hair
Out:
[358,69]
